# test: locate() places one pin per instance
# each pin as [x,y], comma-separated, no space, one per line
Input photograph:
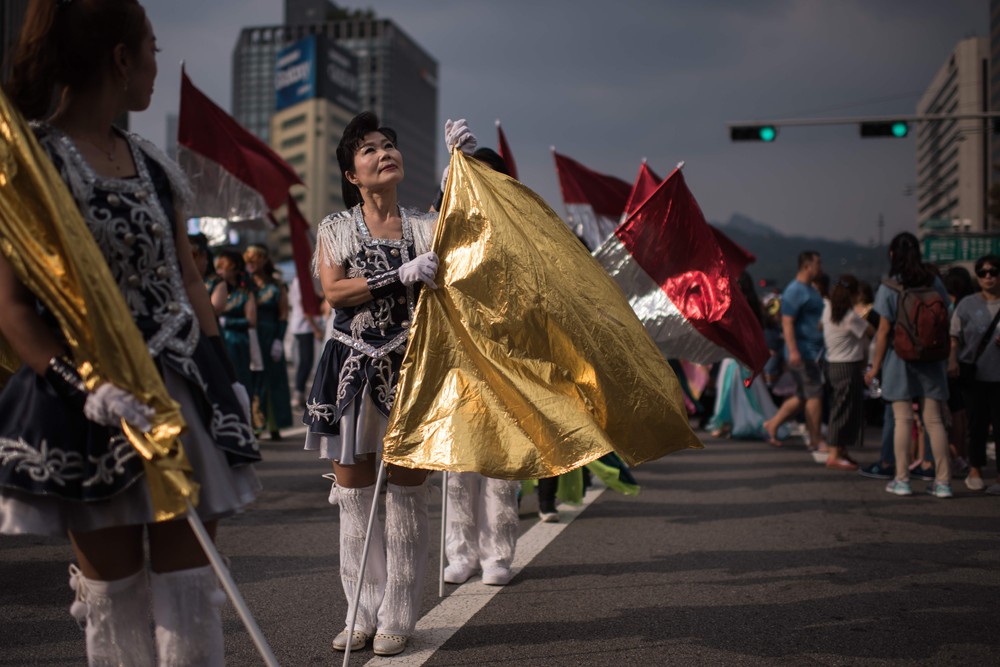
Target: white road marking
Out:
[454,611]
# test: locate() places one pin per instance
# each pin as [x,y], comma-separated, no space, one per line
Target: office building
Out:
[953,155]
[316,96]
[396,79]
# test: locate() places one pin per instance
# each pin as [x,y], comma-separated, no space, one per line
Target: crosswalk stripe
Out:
[454,611]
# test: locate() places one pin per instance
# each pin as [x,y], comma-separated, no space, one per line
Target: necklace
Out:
[108,153]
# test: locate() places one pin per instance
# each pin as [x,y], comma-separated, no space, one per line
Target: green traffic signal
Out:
[753,133]
[893,128]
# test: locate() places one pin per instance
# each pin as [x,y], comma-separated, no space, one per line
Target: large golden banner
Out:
[527,362]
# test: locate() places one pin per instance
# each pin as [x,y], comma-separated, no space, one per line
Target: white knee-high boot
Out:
[461,543]
[187,608]
[355,505]
[498,523]
[406,536]
[117,617]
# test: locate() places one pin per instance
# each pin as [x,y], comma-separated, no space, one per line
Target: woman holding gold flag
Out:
[371,260]
[65,466]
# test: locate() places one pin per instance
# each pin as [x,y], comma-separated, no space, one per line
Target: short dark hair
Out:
[992,260]
[354,135]
[807,256]
[493,159]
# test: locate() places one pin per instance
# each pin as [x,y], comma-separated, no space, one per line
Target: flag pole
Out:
[444,527]
[364,561]
[226,579]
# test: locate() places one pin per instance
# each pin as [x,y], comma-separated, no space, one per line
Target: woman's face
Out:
[253,261]
[225,268]
[987,277]
[378,164]
[142,72]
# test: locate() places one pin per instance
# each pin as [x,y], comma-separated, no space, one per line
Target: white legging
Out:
[902,437]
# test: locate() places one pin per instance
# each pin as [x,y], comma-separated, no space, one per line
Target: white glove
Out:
[109,404]
[276,349]
[256,359]
[244,400]
[457,133]
[421,268]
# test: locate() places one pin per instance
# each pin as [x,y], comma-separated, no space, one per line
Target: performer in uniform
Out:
[65,466]
[371,260]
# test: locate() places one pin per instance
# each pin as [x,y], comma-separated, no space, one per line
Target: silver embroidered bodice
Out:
[135,234]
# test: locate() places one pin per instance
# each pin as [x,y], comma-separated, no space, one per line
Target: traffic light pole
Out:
[857,120]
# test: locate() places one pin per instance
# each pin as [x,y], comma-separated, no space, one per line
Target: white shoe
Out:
[358,640]
[457,573]
[549,517]
[497,576]
[974,483]
[389,644]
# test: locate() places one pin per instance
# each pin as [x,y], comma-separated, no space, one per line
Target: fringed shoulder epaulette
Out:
[422,226]
[336,240]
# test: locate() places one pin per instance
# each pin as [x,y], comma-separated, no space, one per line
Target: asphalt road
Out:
[738,554]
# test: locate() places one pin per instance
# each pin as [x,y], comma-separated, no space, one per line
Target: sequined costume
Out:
[355,382]
[59,471]
[347,414]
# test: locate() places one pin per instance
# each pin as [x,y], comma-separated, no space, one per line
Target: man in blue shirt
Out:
[801,312]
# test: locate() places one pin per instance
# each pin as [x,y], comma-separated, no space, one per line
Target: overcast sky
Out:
[608,83]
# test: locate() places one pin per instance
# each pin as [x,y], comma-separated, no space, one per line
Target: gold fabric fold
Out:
[44,237]
[527,361]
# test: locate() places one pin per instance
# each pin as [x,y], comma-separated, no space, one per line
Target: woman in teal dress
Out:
[270,387]
[239,315]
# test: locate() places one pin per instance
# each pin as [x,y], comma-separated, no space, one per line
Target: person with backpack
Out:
[911,351]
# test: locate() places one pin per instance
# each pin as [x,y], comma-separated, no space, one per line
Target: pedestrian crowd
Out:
[920,354]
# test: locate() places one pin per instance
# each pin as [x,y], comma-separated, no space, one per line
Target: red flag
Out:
[302,251]
[504,151]
[671,269]
[594,202]
[736,256]
[234,174]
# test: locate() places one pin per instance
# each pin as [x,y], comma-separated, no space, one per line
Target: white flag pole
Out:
[226,579]
[444,527]
[364,561]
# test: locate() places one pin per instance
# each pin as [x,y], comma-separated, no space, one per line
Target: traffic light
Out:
[753,133]
[891,128]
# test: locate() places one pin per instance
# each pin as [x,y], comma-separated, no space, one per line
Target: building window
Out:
[297,159]
[290,142]
[293,121]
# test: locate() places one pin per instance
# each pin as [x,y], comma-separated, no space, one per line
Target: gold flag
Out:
[44,237]
[527,361]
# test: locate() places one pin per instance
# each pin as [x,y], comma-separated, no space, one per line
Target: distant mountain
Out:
[777,254]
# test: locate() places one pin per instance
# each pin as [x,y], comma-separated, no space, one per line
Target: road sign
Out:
[946,248]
